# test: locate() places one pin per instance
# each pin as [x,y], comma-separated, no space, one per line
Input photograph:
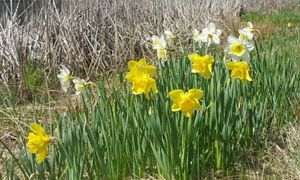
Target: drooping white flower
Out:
[238,49]
[210,34]
[65,78]
[80,85]
[169,35]
[159,43]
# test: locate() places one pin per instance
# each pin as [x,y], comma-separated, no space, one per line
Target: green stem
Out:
[14,157]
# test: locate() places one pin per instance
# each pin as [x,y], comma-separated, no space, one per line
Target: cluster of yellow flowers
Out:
[141,74]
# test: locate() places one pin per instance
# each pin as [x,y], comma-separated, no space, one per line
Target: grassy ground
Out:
[276,155]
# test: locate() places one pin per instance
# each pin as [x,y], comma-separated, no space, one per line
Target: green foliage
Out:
[33,75]
[113,134]
[279,18]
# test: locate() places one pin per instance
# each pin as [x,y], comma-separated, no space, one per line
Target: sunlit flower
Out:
[159,43]
[238,49]
[186,102]
[140,75]
[38,142]
[201,64]
[170,36]
[65,78]
[80,85]
[290,25]
[210,34]
[240,70]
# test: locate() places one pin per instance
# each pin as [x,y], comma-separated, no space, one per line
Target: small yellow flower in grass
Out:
[80,85]
[201,64]
[290,25]
[240,70]
[65,78]
[140,75]
[186,102]
[38,142]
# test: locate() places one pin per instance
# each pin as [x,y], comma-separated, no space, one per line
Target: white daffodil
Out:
[196,35]
[247,33]
[80,85]
[238,49]
[250,27]
[170,36]
[64,78]
[210,34]
[159,43]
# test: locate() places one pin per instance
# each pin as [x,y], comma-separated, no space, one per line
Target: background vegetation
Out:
[110,135]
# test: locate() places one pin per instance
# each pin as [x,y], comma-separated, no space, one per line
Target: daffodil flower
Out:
[159,43]
[38,142]
[170,36]
[80,85]
[238,49]
[186,102]
[240,70]
[210,34]
[65,78]
[196,35]
[247,33]
[140,75]
[201,64]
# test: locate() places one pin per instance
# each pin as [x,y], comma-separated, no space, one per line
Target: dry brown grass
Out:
[91,36]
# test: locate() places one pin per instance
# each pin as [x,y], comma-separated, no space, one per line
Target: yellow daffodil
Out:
[65,78]
[210,34]
[240,70]
[38,142]
[201,64]
[80,85]
[250,27]
[238,49]
[186,102]
[140,75]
